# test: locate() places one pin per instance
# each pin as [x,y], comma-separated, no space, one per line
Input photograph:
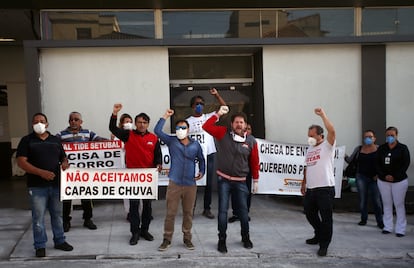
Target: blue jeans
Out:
[42,199]
[318,205]
[368,187]
[239,190]
[249,180]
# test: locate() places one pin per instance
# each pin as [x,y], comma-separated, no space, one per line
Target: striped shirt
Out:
[82,135]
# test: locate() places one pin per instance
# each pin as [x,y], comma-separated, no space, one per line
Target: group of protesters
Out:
[42,156]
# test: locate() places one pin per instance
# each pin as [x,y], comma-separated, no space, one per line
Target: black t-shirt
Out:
[45,154]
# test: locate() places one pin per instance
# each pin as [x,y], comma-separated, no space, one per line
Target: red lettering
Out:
[149,178]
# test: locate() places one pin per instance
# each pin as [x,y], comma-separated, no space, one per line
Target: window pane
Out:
[72,25]
[196,24]
[316,23]
[387,21]
[245,24]
[212,67]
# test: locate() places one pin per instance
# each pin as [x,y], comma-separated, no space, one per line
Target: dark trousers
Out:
[318,205]
[136,225]
[86,206]
[209,181]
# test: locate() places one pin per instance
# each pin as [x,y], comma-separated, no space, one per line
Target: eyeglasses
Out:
[180,127]
[74,119]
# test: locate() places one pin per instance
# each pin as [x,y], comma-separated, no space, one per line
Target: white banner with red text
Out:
[95,154]
[282,166]
[131,183]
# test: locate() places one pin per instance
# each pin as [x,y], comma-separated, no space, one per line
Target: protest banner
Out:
[282,166]
[131,183]
[95,154]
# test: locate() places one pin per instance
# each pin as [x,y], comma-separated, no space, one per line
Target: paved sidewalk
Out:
[278,230]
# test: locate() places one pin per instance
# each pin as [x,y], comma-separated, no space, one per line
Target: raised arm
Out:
[215,93]
[160,124]
[328,125]
[121,134]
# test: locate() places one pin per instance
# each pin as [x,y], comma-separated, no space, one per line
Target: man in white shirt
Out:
[196,122]
[318,184]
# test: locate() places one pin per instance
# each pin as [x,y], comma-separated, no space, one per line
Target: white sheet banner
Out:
[282,166]
[95,154]
[80,183]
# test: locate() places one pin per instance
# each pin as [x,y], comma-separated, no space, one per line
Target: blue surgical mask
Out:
[199,108]
[390,139]
[368,141]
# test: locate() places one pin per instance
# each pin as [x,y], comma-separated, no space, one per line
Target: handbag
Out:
[351,169]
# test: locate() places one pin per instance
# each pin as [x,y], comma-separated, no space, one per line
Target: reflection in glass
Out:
[75,25]
[196,24]
[267,23]
[259,23]
[317,23]
[376,21]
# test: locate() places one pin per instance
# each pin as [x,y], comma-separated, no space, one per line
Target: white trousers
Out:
[394,194]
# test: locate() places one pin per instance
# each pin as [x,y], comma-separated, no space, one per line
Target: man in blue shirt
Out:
[185,153]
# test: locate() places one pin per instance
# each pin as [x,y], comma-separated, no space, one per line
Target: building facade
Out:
[275,62]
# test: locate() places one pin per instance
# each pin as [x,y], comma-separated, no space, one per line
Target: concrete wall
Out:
[299,78]
[400,95]
[91,80]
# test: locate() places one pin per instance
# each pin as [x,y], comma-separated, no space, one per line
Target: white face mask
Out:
[181,133]
[238,138]
[312,141]
[128,126]
[39,128]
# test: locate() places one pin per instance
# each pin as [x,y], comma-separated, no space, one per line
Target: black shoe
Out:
[66,226]
[64,246]
[322,252]
[385,232]
[247,243]
[134,239]
[380,225]
[399,235]
[312,241]
[146,235]
[362,223]
[89,224]
[221,247]
[41,252]
[207,213]
[233,218]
